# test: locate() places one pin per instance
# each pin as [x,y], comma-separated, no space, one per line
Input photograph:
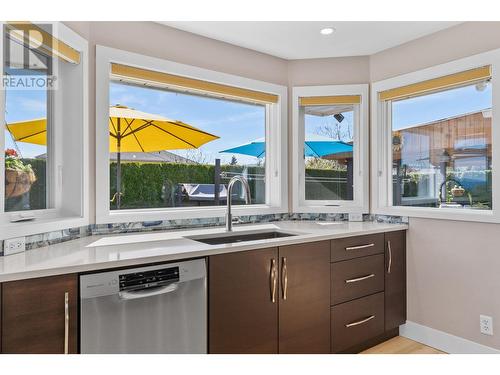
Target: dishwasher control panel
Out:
[111,282]
[148,279]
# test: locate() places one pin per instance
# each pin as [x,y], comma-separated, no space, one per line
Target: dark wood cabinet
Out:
[357,246]
[339,296]
[356,322]
[356,278]
[395,279]
[304,315]
[40,315]
[242,315]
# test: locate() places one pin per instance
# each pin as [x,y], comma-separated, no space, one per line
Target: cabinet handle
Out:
[273,280]
[359,247]
[389,263]
[360,278]
[66,323]
[353,324]
[284,278]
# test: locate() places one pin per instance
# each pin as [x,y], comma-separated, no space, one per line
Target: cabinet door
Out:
[39,315]
[304,303]
[243,318]
[395,279]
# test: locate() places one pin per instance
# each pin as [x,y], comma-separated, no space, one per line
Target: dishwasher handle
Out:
[148,292]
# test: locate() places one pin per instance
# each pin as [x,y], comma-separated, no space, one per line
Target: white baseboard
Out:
[442,340]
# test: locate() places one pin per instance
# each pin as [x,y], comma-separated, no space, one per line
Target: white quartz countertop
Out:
[101,252]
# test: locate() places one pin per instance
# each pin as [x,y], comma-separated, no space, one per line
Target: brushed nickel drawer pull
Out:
[360,278]
[360,247]
[360,322]
[389,264]
[66,323]
[273,280]
[284,275]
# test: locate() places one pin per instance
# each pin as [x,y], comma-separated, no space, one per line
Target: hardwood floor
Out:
[401,345]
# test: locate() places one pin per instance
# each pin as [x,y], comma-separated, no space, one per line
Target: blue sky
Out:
[23,105]
[314,124]
[423,109]
[234,122]
[237,123]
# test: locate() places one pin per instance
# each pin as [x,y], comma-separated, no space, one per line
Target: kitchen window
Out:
[175,135]
[435,145]
[43,111]
[330,138]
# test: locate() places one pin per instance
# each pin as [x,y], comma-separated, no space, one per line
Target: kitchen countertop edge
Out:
[49,260]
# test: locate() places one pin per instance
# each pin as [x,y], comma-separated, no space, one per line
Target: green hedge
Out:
[319,189]
[146,185]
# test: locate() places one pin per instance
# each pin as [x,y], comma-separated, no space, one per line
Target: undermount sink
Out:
[225,238]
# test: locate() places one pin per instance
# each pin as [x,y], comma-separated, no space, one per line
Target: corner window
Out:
[43,113]
[439,143]
[174,135]
[329,134]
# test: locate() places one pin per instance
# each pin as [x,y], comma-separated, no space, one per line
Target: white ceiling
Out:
[302,40]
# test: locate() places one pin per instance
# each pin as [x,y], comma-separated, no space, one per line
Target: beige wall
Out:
[453,267]
[454,276]
[459,41]
[332,71]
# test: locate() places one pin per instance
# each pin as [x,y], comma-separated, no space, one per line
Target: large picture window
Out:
[439,138]
[186,162]
[174,135]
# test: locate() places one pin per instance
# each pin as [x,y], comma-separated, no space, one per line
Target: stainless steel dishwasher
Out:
[155,309]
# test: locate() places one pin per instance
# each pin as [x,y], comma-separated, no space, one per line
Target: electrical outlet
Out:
[486,324]
[14,245]
[355,217]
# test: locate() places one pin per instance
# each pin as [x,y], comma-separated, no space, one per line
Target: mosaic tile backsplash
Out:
[50,238]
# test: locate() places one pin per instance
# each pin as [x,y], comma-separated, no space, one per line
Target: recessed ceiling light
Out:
[327,31]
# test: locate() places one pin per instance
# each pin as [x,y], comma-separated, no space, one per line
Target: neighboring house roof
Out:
[145,157]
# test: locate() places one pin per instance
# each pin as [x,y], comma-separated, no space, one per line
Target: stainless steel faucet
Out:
[246,188]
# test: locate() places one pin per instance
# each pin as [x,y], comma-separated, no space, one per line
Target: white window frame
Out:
[381,155]
[360,203]
[58,217]
[276,136]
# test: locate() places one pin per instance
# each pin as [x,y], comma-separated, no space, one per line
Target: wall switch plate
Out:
[486,324]
[14,245]
[355,217]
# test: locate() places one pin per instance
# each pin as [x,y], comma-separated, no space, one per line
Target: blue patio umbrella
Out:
[314,146]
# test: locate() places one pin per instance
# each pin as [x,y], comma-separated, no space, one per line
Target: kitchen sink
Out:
[234,237]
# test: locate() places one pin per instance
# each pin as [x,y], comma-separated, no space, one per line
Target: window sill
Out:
[324,209]
[41,225]
[454,214]
[185,213]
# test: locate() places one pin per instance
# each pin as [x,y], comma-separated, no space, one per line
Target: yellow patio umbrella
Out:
[129,131]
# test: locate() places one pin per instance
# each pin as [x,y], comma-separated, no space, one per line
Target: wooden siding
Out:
[459,136]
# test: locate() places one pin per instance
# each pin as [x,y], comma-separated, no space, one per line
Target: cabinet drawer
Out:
[357,278]
[355,247]
[357,321]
